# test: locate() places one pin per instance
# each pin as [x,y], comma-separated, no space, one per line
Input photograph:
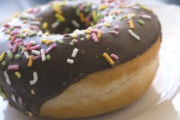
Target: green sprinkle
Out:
[10,55]
[122,18]
[144,7]
[9,37]
[86,10]
[67,29]
[21,36]
[48,57]
[141,22]
[59,41]
[20,48]
[23,17]
[78,12]
[32,34]
[18,56]
[4,63]
[113,17]
[71,43]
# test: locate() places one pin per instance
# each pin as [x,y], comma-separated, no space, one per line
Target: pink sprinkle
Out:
[50,48]
[94,30]
[99,26]
[114,56]
[95,37]
[36,11]
[116,27]
[114,32]
[15,48]
[13,38]
[14,32]
[74,40]
[13,67]
[18,40]
[10,47]
[36,57]
[142,13]
[17,26]
[35,47]
[6,25]
[20,100]
[20,43]
[102,20]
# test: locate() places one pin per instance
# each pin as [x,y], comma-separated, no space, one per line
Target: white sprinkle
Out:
[35,22]
[13,98]
[26,54]
[133,34]
[40,33]
[74,53]
[135,7]
[43,55]
[33,42]
[70,61]
[36,52]
[55,24]
[7,77]
[75,23]
[35,76]
[146,16]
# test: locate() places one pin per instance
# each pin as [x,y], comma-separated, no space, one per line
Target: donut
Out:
[75,59]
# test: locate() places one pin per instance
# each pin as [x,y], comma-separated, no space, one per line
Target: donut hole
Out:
[64,23]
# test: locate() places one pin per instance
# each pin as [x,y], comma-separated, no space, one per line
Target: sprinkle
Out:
[146,16]
[108,58]
[26,54]
[35,47]
[40,33]
[7,77]
[74,35]
[13,67]
[106,24]
[18,56]
[47,33]
[82,17]
[35,78]
[20,99]
[18,74]
[30,114]
[77,12]
[49,42]
[32,34]
[36,52]
[74,53]
[21,48]
[141,22]
[103,6]
[13,98]
[45,25]
[59,41]
[88,31]
[116,27]
[35,23]
[133,15]
[48,57]
[4,63]
[95,15]
[43,57]
[33,92]
[3,54]
[88,37]
[114,56]
[144,7]
[95,37]
[43,41]
[131,24]
[123,17]
[60,17]
[50,48]
[81,39]
[99,34]
[114,32]
[33,42]
[56,8]
[15,48]
[36,57]
[133,34]
[55,24]
[75,23]
[13,38]
[74,41]
[30,63]
[70,61]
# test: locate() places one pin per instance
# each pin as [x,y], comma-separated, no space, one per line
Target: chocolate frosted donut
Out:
[78,58]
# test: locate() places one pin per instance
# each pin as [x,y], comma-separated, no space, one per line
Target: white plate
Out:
[161,101]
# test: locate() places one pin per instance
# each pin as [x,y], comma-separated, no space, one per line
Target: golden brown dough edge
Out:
[107,90]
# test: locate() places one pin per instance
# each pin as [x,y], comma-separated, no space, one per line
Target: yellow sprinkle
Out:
[56,8]
[103,6]
[30,61]
[133,15]
[82,18]
[4,95]
[16,15]
[3,54]
[106,24]
[30,114]
[99,34]
[60,17]
[94,15]
[88,37]
[45,25]
[74,35]
[43,41]
[108,58]
[18,74]
[47,33]
[87,31]
[33,92]
[24,30]
[131,24]
[49,42]
[92,23]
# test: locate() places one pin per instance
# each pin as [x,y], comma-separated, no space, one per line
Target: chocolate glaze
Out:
[56,75]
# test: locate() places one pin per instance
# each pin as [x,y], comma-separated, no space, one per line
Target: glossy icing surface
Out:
[37,63]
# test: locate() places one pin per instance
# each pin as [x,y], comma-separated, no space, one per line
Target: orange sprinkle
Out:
[131,24]
[108,58]
[30,63]
[49,42]
[82,18]
[115,12]
[99,34]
